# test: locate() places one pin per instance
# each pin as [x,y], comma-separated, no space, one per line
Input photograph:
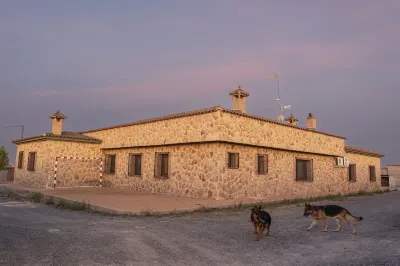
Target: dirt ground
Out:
[36,234]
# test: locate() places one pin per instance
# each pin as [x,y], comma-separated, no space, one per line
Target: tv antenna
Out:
[281,107]
[22,129]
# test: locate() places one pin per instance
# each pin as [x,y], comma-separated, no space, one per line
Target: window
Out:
[262,164]
[372,174]
[352,173]
[110,164]
[233,160]
[162,165]
[20,158]
[304,170]
[31,161]
[135,165]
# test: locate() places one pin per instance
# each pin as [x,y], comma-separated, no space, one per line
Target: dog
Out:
[261,220]
[323,212]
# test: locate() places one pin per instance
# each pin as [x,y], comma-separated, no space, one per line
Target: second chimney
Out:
[311,122]
[292,120]
[57,119]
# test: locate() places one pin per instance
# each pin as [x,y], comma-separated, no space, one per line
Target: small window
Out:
[31,161]
[110,164]
[352,173]
[233,160]
[135,165]
[304,170]
[20,159]
[372,174]
[262,164]
[162,165]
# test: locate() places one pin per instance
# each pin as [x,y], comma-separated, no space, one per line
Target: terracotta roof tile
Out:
[354,149]
[65,135]
[239,91]
[58,115]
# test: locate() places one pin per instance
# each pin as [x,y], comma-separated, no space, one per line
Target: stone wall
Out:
[220,125]
[46,151]
[243,129]
[194,171]
[279,183]
[200,171]
[179,130]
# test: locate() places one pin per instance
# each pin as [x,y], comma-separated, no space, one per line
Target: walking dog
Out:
[261,220]
[323,212]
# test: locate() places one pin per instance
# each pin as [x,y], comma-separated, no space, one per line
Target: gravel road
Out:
[36,234]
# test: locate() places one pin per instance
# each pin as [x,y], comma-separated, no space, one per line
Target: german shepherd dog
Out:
[322,212]
[261,220]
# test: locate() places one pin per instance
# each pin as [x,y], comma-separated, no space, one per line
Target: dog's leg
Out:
[314,222]
[352,226]
[255,227]
[260,230]
[267,229]
[339,225]
[325,226]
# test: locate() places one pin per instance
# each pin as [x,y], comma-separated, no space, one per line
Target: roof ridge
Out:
[159,118]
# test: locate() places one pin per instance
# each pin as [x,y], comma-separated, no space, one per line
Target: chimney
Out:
[57,119]
[239,97]
[311,122]
[292,120]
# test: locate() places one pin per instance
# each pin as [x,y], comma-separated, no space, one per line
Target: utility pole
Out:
[22,129]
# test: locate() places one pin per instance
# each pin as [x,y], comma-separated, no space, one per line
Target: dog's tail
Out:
[352,218]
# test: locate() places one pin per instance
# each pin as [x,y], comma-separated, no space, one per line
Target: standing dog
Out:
[261,220]
[332,212]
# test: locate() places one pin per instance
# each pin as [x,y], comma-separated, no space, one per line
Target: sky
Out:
[104,63]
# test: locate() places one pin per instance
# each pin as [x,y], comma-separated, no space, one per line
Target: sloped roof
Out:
[357,150]
[65,136]
[204,111]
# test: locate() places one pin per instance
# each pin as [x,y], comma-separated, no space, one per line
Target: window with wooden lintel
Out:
[372,173]
[352,173]
[262,164]
[135,164]
[109,167]
[304,170]
[233,160]
[161,166]
[20,159]
[31,161]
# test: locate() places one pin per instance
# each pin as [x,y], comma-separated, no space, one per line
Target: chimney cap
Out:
[239,91]
[310,115]
[57,115]
[291,118]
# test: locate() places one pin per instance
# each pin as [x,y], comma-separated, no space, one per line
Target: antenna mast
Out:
[281,107]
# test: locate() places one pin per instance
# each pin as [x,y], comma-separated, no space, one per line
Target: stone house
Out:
[215,153]
[390,176]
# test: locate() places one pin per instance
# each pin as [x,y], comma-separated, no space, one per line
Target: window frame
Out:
[355,173]
[31,165]
[106,170]
[20,160]
[370,173]
[266,163]
[236,164]
[158,165]
[309,164]
[130,155]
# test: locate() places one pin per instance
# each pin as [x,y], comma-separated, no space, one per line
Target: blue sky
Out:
[108,62]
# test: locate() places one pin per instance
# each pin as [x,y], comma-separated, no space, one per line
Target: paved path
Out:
[128,201]
[35,234]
